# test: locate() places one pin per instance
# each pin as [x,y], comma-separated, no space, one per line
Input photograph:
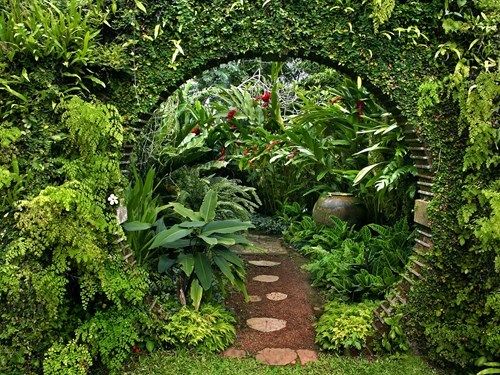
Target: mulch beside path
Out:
[299,309]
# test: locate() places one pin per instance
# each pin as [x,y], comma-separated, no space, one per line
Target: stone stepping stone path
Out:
[276,326]
[266,324]
[266,278]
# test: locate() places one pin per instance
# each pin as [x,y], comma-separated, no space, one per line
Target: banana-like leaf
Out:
[207,209]
[185,212]
[203,270]
[192,224]
[208,240]
[196,293]
[186,262]
[230,257]
[169,236]
[226,226]
[225,267]
[164,263]
[134,226]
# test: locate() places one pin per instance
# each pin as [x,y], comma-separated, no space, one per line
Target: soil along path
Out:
[277,325]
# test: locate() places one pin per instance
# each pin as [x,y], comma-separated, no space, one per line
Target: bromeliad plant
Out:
[197,250]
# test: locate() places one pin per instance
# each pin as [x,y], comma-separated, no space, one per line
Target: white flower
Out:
[113,199]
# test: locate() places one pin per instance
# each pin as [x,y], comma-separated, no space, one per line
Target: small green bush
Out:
[70,359]
[345,326]
[209,329]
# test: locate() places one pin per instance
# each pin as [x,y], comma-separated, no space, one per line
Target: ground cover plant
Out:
[79,79]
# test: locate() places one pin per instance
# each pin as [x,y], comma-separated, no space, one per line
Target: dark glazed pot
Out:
[342,205]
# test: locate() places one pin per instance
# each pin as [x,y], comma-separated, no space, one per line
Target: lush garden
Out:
[141,141]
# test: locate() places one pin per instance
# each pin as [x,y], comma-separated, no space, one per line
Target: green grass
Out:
[186,363]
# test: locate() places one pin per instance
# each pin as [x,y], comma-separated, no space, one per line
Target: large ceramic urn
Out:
[345,206]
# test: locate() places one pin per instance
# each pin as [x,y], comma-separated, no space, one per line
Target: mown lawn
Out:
[210,364]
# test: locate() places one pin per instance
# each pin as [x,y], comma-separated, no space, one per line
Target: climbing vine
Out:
[77,79]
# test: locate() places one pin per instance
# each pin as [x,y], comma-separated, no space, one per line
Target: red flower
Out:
[266,96]
[136,349]
[231,114]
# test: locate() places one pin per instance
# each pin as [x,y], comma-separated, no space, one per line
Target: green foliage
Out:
[394,340]
[71,359]
[111,334]
[211,329]
[344,327]
[235,201]
[353,264]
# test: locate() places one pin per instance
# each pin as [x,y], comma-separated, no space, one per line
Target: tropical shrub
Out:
[344,327]
[354,264]
[195,247]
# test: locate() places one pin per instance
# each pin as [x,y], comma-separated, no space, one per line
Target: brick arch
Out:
[391,69]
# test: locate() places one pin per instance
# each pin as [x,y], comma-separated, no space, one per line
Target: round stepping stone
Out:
[234,353]
[264,263]
[266,324]
[306,356]
[254,298]
[277,356]
[266,278]
[276,296]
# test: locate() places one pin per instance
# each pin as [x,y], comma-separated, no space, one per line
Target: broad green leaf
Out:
[225,267]
[185,212]
[170,235]
[226,226]
[164,263]
[179,244]
[186,262]
[362,173]
[208,240]
[196,293]
[133,226]
[227,241]
[207,209]
[192,224]
[203,270]
[230,257]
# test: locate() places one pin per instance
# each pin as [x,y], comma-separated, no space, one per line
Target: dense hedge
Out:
[131,55]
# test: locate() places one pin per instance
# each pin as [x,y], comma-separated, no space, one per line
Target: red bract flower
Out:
[136,349]
[196,130]
[266,96]
[231,114]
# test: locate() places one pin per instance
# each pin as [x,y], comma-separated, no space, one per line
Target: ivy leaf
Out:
[141,6]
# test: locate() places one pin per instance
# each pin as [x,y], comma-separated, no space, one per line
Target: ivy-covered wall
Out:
[131,54]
